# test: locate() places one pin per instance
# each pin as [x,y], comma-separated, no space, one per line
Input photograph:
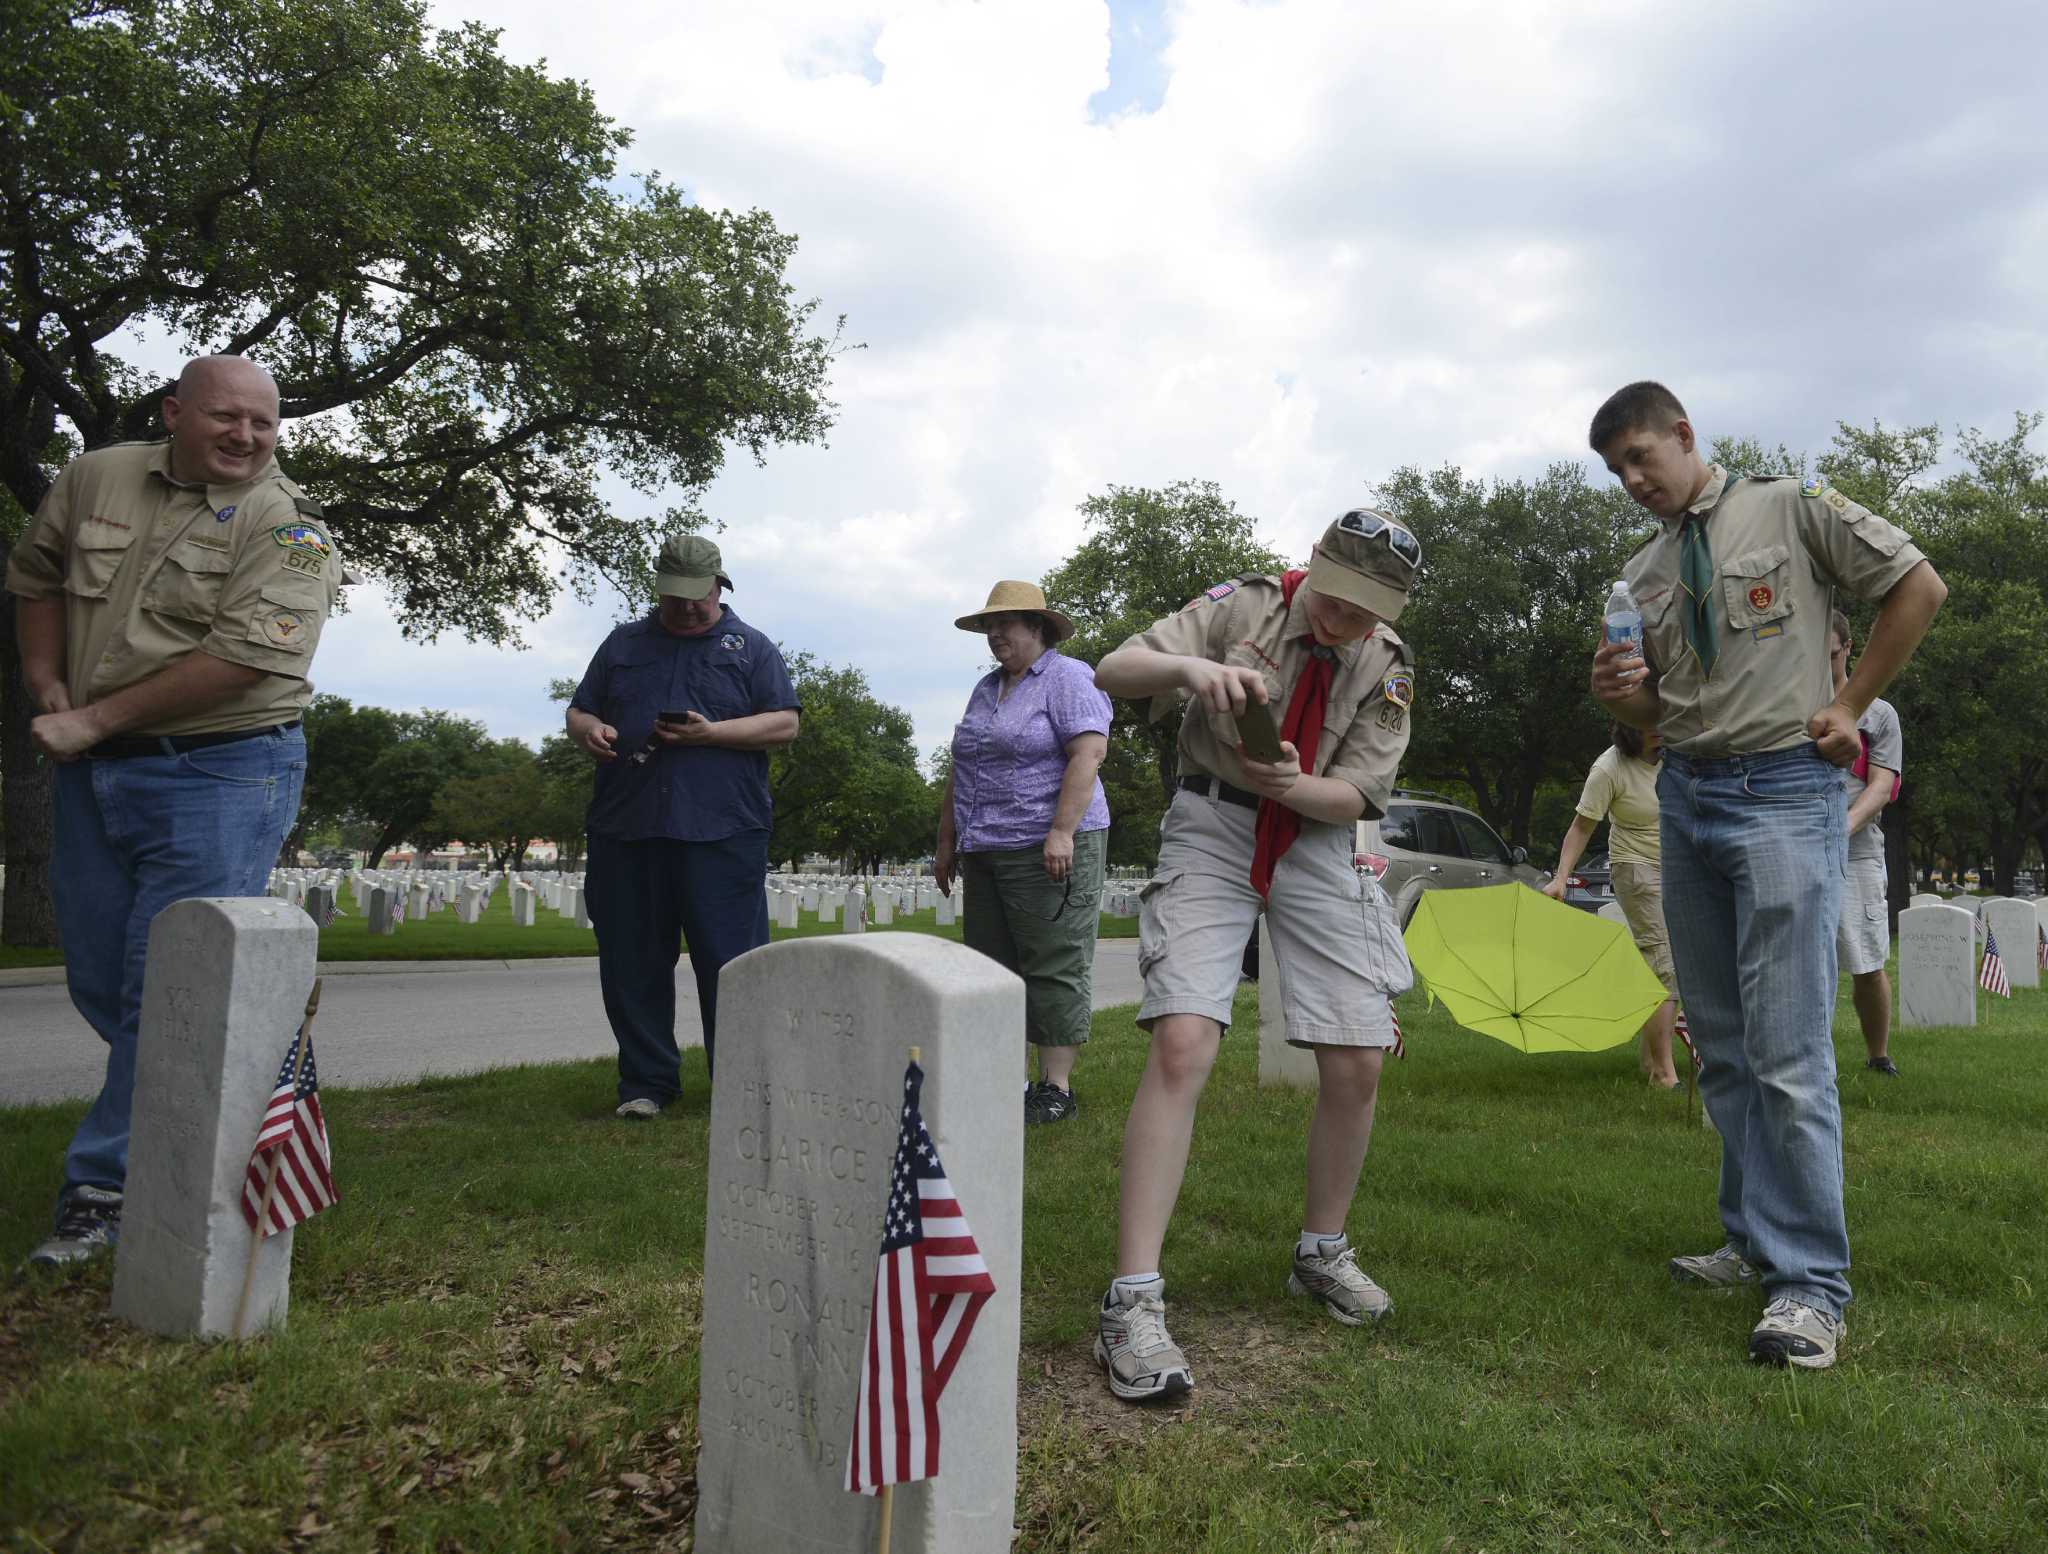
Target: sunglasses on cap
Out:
[1370,525]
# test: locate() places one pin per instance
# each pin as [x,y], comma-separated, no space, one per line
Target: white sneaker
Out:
[1794,1333]
[639,1109]
[1133,1346]
[1334,1278]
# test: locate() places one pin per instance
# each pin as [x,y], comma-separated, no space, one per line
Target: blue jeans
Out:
[646,898]
[1755,849]
[133,836]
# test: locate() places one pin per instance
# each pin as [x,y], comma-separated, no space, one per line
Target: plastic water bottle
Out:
[1624,620]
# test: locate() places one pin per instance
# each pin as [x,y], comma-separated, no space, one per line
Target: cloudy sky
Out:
[1289,247]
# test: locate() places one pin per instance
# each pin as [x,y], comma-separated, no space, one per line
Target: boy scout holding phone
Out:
[1244,836]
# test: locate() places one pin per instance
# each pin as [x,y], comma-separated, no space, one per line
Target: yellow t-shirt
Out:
[1623,791]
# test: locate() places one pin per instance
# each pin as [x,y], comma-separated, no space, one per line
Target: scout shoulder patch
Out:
[1399,689]
[1220,591]
[283,628]
[310,562]
[1812,486]
[302,536]
[1836,500]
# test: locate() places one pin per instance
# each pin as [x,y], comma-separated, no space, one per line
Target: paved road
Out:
[391,1022]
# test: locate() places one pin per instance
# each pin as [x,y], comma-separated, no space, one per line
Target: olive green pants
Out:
[1040,930]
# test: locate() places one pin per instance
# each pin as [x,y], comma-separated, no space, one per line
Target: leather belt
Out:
[130,746]
[1204,784]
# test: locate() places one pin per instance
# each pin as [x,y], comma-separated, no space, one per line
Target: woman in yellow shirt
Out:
[1622,790]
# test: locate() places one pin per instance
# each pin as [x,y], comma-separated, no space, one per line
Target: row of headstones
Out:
[1938,959]
[1938,955]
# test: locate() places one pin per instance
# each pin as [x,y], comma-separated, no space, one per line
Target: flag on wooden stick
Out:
[293,1142]
[930,1285]
[1992,976]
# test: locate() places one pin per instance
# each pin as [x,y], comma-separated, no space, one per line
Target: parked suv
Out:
[1430,843]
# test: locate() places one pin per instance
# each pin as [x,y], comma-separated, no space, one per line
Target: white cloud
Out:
[1350,236]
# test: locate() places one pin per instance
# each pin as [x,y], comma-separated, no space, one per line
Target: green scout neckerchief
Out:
[1696,577]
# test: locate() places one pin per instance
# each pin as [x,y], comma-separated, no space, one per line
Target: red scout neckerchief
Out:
[1302,728]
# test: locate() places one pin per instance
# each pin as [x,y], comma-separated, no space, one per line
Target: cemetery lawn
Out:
[493,1339]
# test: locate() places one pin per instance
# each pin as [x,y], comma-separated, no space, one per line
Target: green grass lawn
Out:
[493,1340]
[440,936]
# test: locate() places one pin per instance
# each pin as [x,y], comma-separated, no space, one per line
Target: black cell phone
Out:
[673,717]
[1261,738]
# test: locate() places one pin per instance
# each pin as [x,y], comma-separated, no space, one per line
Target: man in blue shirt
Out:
[680,709]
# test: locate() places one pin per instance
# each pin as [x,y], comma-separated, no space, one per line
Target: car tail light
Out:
[1372,861]
[1575,881]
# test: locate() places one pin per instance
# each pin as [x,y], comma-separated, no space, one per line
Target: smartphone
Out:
[1255,728]
[677,718]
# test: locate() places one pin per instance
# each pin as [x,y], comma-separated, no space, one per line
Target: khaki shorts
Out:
[1863,935]
[1333,931]
[1639,887]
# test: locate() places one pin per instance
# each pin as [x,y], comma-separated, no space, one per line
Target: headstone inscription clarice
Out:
[804,1116]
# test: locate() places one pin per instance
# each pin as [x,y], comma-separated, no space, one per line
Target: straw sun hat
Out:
[1022,599]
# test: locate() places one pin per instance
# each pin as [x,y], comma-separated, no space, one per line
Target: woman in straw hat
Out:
[1023,825]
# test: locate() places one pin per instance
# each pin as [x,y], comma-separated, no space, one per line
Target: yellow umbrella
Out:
[1512,964]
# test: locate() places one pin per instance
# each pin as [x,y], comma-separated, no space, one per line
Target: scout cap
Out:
[690,567]
[1367,559]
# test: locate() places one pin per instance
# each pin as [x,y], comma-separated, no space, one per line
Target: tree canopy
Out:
[849,787]
[478,325]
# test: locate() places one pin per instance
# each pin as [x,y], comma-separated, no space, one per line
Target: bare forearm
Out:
[195,682]
[1140,671]
[758,731]
[1330,799]
[39,630]
[947,830]
[1871,801]
[1077,787]
[1901,622]
[1573,847]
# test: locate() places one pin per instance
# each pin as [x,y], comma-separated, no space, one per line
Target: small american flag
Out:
[1684,1033]
[1400,1047]
[2043,933]
[1992,977]
[295,1134]
[930,1285]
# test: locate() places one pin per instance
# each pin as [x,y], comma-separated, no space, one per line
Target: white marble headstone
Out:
[1937,966]
[2016,926]
[223,993]
[813,1036]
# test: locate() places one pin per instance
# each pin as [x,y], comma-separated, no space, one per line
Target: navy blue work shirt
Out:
[683,793]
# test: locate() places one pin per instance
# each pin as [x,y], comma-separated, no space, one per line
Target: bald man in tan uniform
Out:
[171,596]
[1735,588]
[1244,836]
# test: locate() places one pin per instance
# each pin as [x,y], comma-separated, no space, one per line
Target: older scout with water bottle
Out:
[1734,589]
[1245,835]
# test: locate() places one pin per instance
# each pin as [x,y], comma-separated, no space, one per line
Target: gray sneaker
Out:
[1726,1269]
[639,1109]
[1144,1364]
[1794,1333]
[1334,1278]
[88,1224]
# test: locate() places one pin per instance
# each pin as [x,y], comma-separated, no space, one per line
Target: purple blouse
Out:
[1010,756]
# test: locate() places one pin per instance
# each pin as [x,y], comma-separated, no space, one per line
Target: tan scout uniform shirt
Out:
[1245,622]
[1780,550]
[150,570]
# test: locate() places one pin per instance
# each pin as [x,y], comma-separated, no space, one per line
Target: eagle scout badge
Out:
[300,536]
[1760,597]
[225,513]
[1813,486]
